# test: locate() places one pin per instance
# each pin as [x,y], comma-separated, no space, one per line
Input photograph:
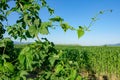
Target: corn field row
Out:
[101,61]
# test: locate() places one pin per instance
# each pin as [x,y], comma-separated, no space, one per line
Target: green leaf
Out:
[8,12]
[65,26]
[51,11]
[37,22]
[1,67]
[2,17]
[25,17]
[22,73]
[73,74]
[101,12]
[80,32]
[44,27]
[44,31]
[33,31]
[21,59]
[43,2]
[56,19]
[28,34]
[12,10]
[5,56]
[27,6]
[29,61]
[8,67]
[58,68]
[26,58]
[4,77]
[2,44]
[53,58]
[79,78]
[48,74]
[94,19]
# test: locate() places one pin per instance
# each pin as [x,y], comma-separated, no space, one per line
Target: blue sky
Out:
[79,12]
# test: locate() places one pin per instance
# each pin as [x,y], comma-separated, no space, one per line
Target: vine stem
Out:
[4,52]
[96,16]
[4,49]
[93,21]
[38,38]
[14,60]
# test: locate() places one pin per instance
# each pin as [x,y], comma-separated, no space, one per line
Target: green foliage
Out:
[3,7]
[39,59]
[6,46]
[29,16]
[7,67]
[2,30]
[2,18]
[6,57]
[99,61]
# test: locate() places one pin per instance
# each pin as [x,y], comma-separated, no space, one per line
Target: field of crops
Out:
[101,62]
[95,62]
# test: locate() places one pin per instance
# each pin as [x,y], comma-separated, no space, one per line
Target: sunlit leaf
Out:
[80,32]
[33,31]
[58,68]
[53,58]
[44,27]
[57,19]
[65,26]
[25,58]
[23,73]
[11,10]
[8,67]
[79,78]
[73,74]
[5,56]
[37,22]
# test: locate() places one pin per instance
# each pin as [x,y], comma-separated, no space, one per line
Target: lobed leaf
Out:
[26,58]
[44,27]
